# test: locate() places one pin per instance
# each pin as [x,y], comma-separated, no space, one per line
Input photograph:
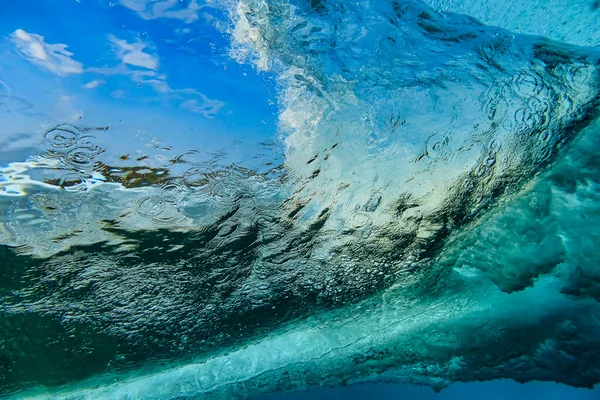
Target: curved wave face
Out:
[433,218]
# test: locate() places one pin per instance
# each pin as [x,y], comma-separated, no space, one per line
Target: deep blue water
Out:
[497,390]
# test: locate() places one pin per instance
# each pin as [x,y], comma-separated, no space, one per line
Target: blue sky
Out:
[154,66]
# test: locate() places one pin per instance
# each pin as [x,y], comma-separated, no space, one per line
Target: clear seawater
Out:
[299,199]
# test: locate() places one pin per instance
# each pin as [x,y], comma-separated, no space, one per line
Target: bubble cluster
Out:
[164,204]
[523,106]
[61,138]
[73,182]
[73,148]
[579,77]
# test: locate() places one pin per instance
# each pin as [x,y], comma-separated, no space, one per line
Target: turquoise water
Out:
[292,199]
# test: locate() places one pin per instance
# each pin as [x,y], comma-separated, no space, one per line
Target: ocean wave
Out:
[430,223]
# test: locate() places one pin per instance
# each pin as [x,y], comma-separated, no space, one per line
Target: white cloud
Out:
[119,94]
[198,103]
[137,60]
[133,53]
[160,85]
[153,9]
[93,84]
[53,57]
[122,69]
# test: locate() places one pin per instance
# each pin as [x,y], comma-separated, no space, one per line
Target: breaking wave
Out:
[433,221]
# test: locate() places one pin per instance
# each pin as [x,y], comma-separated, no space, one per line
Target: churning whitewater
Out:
[434,221]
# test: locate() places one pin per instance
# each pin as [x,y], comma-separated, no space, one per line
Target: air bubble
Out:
[159,209]
[62,137]
[481,170]
[524,119]
[73,183]
[360,219]
[578,77]
[495,146]
[82,157]
[437,144]
[494,103]
[149,207]
[174,187]
[528,84]
[226,189]
[165,205]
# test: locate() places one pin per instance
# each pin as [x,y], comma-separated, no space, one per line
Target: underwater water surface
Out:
[287,199]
